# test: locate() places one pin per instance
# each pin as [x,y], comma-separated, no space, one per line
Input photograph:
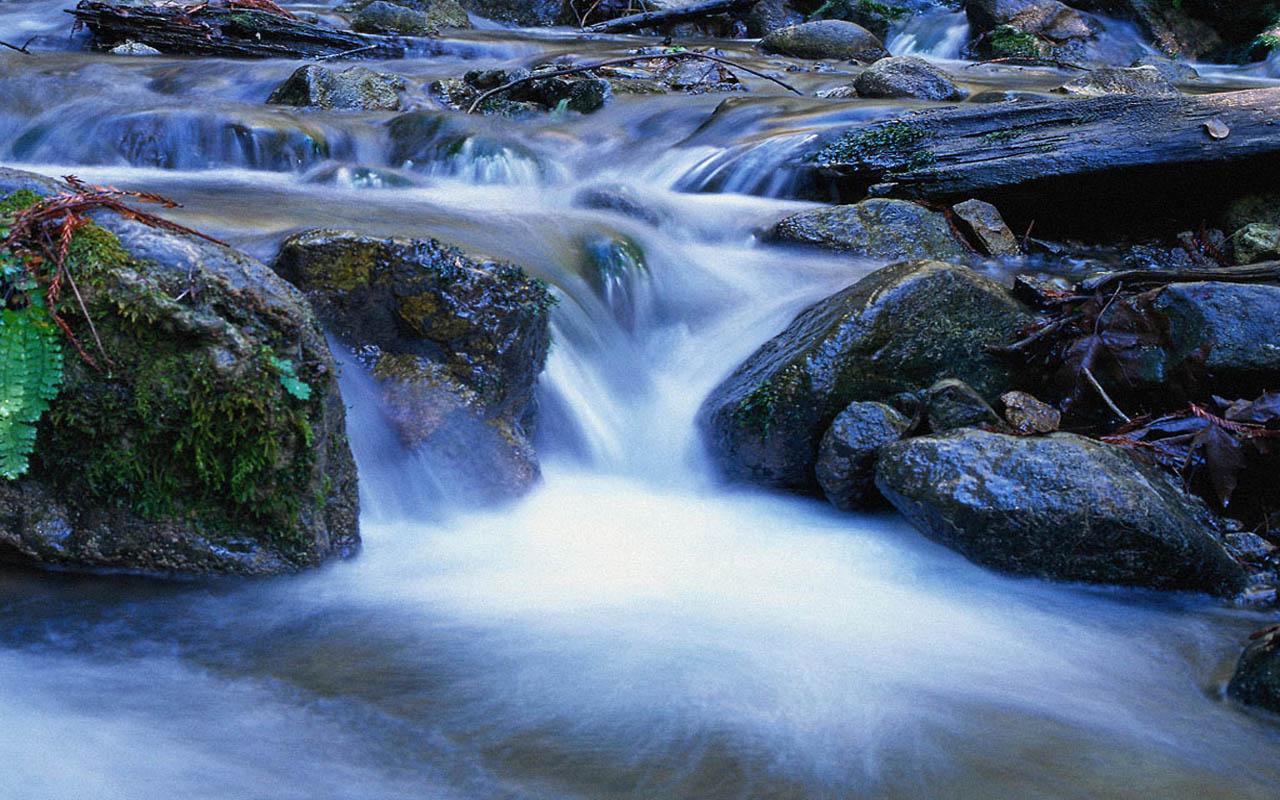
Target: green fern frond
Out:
[30,376]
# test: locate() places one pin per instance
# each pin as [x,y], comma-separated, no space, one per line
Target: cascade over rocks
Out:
[456,342]
[1061,507]
[900,329]
[875,228]
[216,440]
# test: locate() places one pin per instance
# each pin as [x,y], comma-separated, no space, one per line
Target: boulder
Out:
[1144,81]
[1061,507]
[1256,242]
[828,38]
[213,441]
[877,16]
[899,329]
[352,89]
[983,223]
[457,343]
[846,463]
[382,17]
[1029,28]
[875,228]
[1256,681]
[767,16]
[907,76]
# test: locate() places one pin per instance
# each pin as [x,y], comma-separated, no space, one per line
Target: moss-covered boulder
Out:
[827,38]
[207,437]
[1061,507]
[900,329]
[877,228]
[352,89]
[456,342]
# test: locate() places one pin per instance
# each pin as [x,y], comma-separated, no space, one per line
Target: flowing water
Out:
[632,629]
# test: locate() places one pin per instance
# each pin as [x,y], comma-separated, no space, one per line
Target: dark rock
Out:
[846,463]
[1029,29]
[437,15]
[1256,242]
[384,18]
[1168,24]
[876,228]
[1142,81]
[353,89]
[1027,415]
[1042,291]
[906,76]
[829,38]
[583,94]
[215,443]
[1061,507]
[982,221]
[900,329]
[877,16]
[1263,207]
[952,403]
[1256,681]
[621,199]
[527,13]
[457,342]
[767,16]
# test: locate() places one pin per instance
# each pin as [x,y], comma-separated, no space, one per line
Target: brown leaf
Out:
[1217,129]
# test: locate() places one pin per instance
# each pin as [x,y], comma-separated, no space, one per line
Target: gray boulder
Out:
[846,463]
[1143,81]
[352,89]
[828,38]
[900,329]
[215,442]
[457,343]
[389,18]
[876,228]
[907,76]
[1061,507]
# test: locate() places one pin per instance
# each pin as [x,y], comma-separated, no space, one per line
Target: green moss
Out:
[19,200]
[1268,41]
[1007,135]
[1007,41]
[897,144]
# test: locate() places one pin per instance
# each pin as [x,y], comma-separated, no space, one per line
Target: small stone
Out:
[1041,291]
[983,222]
[952,403]
[132,48]
[1027,415]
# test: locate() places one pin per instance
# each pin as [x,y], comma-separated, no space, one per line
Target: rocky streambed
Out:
[689,359]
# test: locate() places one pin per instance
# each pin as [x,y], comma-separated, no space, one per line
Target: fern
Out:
[30,375]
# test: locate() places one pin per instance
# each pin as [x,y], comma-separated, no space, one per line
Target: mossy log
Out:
[1117,159]
[228,32]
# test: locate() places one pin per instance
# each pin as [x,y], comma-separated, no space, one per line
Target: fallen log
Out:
[1109,152]
[669,16]
[1263,272]
[226,30]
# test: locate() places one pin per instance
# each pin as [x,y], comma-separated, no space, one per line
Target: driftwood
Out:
[1055,154]
[1265,272]
[226,31]
[669,16]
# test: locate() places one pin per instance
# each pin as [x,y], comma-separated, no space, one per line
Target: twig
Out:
[22,49]
[559,73]
[1106,398]
[1024,61]
[347,52]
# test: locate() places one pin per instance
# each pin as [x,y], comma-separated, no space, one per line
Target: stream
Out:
[633,628]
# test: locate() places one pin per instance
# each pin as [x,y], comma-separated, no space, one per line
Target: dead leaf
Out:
[1217,129]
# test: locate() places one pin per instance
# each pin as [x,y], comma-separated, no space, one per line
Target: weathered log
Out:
[669,16]
[1263,272]
[226,31]
[1112,151]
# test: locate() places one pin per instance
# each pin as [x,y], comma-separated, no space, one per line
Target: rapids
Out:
[633,629]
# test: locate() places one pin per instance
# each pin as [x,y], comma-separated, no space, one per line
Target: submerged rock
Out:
[907,76]
[457,343]
[1143,81]
[214,443]
[875,228]
[352,89]
[900,329]
[1061,507]
[846,465]
[1256,681]
[828,38]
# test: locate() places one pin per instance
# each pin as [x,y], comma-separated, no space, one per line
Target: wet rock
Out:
[952,403]
[900,329]
[1172,70]
[907,76]
[1061,507]
[583,94]
[1256,242]
[1029,28]
[767,16]
[1168,24]
[352,89]
[621,199]
[1042,291]
[527,13]
[134,49]
[215,443]
[982,221]
[1027,415]
[877,16]
[457,342]
[1263,207]
[846,463]
[831,38]
[1256,681]
[1142,81]
[440,14]
[615,267]
[876,228]
[388,18]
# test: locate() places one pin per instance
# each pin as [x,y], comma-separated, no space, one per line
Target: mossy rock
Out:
[457,343]
[900,329]
[352,89]
[210,437]
[876,228]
